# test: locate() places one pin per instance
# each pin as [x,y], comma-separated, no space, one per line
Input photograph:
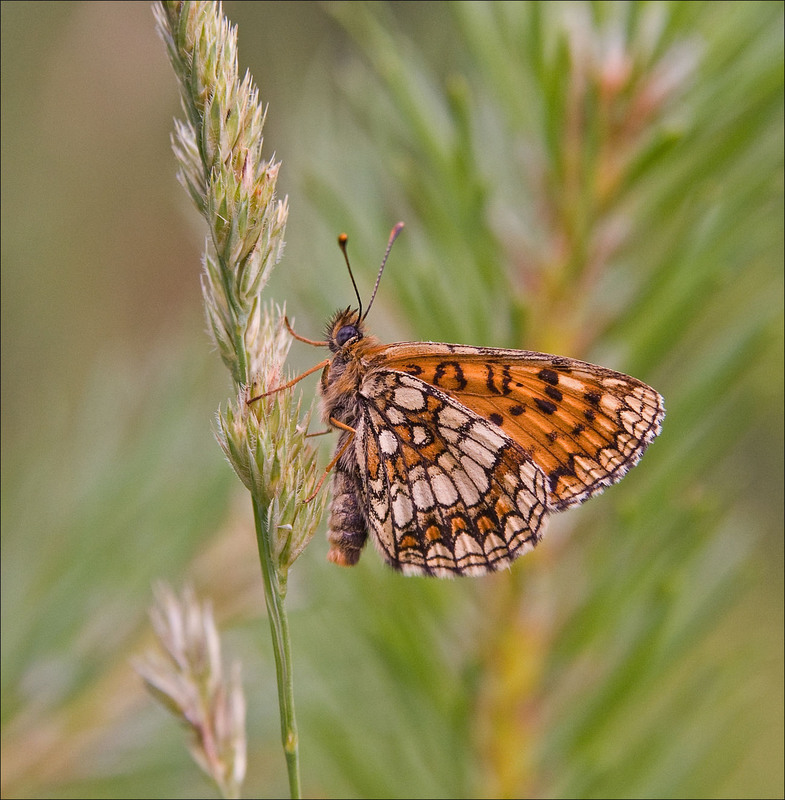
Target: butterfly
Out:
[450,457]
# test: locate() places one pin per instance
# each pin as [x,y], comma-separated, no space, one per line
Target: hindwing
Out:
[445,491]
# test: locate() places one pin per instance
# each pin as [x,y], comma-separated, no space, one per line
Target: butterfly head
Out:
[345,329]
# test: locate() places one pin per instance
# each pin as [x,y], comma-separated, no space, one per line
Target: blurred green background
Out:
[599,180]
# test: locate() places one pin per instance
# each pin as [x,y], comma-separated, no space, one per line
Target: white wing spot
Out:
[402,510]
[484,457]
[420,435]
[380,509]
[465,545]
[587,470]
[466,488]
[484,434]
[388,442]
[394,416]
[529,474]
[408,380]
[409,398]
[443,488]
[569,384]
[514,525]
[630,419]
[610,459]
[450,436]
[476,473]
[439,553]
[636,401]
[494,545]
[610,403]
[446,462]
[627,443]
[422,495]
[451,418]
[524,500]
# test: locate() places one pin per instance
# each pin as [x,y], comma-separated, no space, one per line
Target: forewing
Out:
[446,492]
[583,425]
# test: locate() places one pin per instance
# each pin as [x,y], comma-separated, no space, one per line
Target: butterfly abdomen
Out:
[348,530]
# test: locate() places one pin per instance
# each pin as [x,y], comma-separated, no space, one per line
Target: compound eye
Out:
[346,333]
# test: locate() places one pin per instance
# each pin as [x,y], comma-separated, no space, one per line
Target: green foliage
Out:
[602,180]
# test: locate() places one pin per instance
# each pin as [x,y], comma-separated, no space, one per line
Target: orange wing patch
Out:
[583,425]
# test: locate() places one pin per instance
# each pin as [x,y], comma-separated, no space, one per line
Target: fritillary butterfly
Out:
[451,457]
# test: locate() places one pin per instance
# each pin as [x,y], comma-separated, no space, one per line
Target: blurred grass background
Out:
[599,180]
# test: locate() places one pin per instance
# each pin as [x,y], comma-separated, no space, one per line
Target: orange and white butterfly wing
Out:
[584,426]
[445,491]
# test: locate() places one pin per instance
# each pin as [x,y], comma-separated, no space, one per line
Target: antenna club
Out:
[342,240]
[393,236]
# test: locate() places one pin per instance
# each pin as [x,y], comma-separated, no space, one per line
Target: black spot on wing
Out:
[592,397]
[548,376]
[545,405]
[454,372]
[498,382]
[565,470]
[554,393]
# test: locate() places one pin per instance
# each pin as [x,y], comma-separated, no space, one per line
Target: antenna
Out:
[342,240]
[393,236]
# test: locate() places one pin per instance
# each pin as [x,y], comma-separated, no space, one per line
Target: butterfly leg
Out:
[343,446]
[291,383]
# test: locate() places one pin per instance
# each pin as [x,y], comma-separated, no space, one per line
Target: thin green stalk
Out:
[274,594]
[219,150]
